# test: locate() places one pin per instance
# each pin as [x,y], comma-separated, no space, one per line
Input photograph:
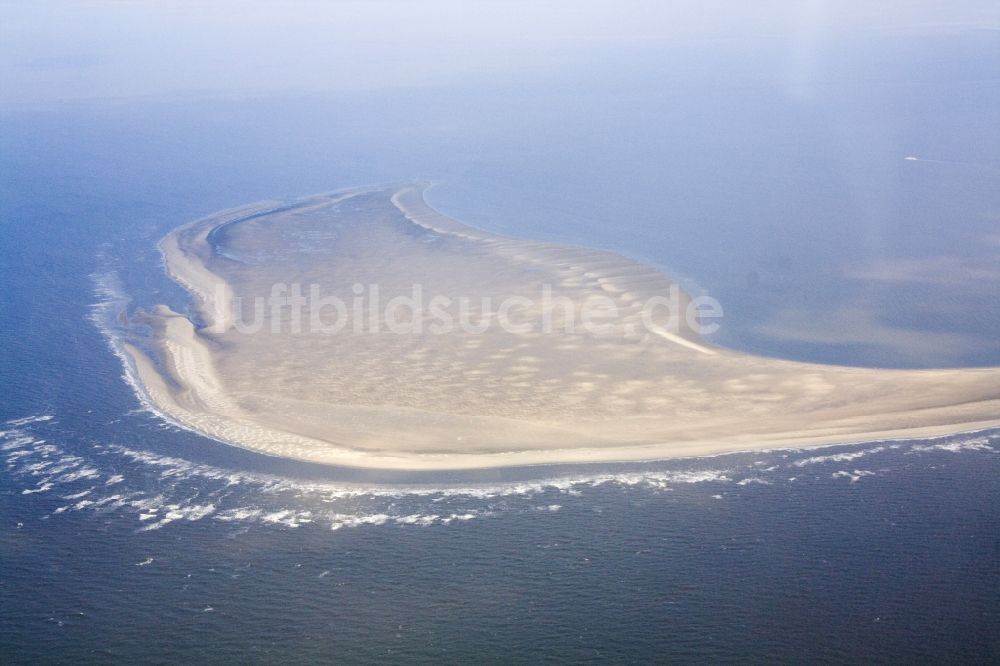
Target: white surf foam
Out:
[838,457]
[854,476]
[977,444]
[159,490]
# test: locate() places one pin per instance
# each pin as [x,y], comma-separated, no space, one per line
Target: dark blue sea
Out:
[124,539]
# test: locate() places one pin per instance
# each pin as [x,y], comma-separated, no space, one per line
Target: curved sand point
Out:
[447,397]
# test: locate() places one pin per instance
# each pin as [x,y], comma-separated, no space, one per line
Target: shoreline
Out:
[200,401]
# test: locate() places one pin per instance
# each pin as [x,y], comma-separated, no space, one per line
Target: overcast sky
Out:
[72,50]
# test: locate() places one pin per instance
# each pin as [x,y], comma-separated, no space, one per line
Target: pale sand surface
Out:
[457,399]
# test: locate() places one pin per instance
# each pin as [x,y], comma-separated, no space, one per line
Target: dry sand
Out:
[455,399]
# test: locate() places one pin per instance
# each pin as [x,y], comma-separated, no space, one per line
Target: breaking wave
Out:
[156,490]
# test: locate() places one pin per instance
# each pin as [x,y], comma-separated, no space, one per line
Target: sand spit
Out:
[336,387]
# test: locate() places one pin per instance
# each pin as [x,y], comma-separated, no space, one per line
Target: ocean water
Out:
[114,551]
[125,539]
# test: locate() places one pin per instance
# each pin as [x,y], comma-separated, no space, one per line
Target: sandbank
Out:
[449,398]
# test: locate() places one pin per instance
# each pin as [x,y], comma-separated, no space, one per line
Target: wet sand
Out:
[449,398]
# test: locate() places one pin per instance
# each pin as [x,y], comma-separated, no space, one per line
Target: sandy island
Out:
[448,398]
